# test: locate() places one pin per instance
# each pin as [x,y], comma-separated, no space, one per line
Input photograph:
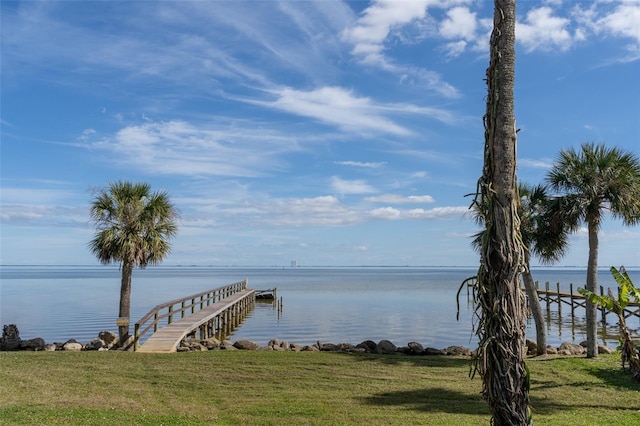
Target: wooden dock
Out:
[577,300]
[210,313]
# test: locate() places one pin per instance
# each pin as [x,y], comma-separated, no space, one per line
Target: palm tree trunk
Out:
[501,329]
[125,298]
[536,310]
[592,283]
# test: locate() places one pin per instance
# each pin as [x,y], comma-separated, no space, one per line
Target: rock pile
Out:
[108,340]
[566,349]
[105,341]
[368,346]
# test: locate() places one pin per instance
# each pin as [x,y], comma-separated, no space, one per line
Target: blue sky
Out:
[327,132]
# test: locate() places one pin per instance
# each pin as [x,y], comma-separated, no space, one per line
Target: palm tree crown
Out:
[133,224]
[595,180]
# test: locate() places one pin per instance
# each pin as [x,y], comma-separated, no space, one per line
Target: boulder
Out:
[368,346]
[329,347]
[295,347]
[404,350]
[567,348]
[211,343]
[415,348]
[605,349]
[278,345]
[551,350]
[36,344]
[433,351]
[227,345]
[125,344]
[109,338]
[385,347]
[10,338]
[196,346]
[72,346]
[346,347]
[274,342]
[246,345]
[51,347]
[95,345]
[457,350]
[532,347]
[310,348]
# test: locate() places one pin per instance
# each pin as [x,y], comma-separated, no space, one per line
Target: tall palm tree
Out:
[133,227]
[540,239]
[500,302]
[591,182]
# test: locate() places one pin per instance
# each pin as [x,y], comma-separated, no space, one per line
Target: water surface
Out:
[327,304]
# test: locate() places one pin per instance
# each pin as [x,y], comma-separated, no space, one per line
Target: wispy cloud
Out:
[391,213]
[345,187]
[368,165]
[542,163]
[181,148]
[339,107]
[374,28]
[400,199]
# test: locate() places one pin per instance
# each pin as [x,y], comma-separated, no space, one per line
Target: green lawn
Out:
[287,388]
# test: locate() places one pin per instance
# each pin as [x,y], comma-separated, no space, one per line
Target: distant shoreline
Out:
[165,266]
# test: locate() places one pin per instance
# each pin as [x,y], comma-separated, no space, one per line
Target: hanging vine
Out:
[499,300]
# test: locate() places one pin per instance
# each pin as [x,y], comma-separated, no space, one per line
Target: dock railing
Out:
[181,308]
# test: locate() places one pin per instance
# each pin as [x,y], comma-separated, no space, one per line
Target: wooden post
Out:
[559,300]
[170,319]
[182,310]
[573,307]
[155,322]
[136,336]
[602,310]
[546,294]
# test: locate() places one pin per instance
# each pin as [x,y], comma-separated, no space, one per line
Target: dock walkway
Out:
[209,312]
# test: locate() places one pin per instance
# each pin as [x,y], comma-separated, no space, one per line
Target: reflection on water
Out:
[327,304]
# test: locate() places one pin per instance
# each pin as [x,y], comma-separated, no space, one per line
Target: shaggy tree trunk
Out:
[536,311]
[125,299]
[501,326]
[592,283]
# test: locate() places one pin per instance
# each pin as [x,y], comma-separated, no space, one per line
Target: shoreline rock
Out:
[107,340]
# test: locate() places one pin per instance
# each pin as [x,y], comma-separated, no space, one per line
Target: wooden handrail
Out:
[185,306]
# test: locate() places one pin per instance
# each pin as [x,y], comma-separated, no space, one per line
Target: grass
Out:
[285,388]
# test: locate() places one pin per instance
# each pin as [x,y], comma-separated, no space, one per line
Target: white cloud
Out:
[316,211]
[342,108]
[336,106]
[460,23]
[375,27]
[387,213]
[361,164]
[540,30]
[377,21]
[181,148]
[456,48]
[344,187]
[542,163]
[391,213]
[624,21]
[400,199]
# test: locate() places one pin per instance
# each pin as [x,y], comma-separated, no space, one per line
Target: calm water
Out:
[327,304]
